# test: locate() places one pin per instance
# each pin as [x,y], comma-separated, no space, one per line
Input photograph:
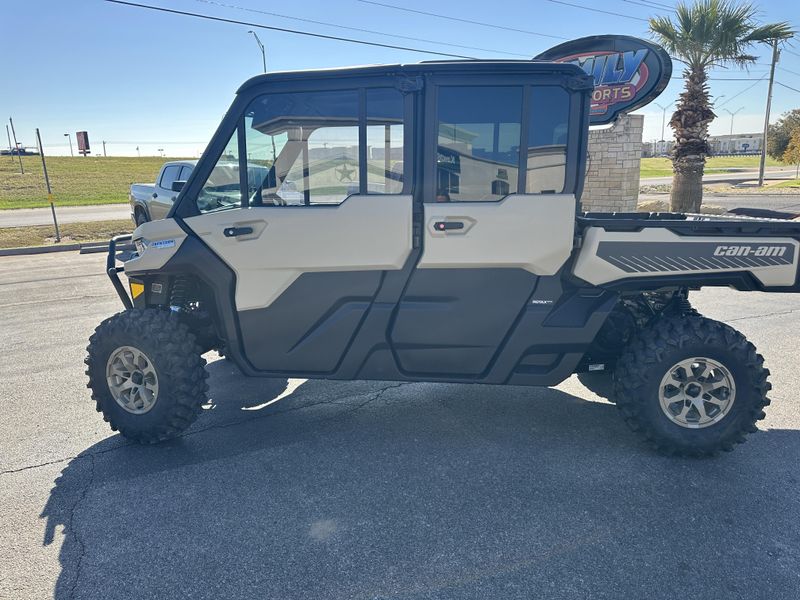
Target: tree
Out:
[706,34]
[780,133]
[792,154]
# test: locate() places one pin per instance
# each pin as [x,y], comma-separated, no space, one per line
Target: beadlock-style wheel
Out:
[697,393]
[132,380]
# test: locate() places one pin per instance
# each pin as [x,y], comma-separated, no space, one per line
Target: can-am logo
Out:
[628,72]
[750,251]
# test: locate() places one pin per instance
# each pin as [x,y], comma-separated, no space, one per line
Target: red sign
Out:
[83,142]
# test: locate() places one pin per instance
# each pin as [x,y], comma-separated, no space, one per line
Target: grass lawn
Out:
[791,184]
[75,181]
[662,167]
[44,235]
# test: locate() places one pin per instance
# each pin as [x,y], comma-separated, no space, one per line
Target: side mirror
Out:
[177,186]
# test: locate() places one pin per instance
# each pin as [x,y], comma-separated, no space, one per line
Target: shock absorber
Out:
[179,294]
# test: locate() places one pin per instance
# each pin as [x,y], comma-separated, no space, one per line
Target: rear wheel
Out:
[146,374]
[691,386]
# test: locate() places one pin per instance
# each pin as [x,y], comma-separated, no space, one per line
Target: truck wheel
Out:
[691,386]
[146,374]
[599,382]
[141,217]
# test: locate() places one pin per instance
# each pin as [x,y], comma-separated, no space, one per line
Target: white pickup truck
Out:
[152,201]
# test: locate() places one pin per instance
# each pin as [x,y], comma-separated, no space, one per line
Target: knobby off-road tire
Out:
[736,366]
[600,383]
[151,347]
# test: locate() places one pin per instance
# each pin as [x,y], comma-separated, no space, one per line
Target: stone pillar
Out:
[612,176]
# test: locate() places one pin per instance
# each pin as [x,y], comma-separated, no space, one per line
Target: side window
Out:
[547,140]
[478,149]
[302,148]
[384,141]
[185,172]
[169,175]
[221,190]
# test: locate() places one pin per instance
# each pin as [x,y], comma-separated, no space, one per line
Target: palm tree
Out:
[706,34]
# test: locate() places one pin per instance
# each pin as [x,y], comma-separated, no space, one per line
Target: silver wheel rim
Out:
[697,392]
[132,379]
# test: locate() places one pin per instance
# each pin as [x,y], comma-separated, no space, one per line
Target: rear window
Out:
[479,131]
[548,127]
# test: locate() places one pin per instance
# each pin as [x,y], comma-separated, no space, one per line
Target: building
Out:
[738,143]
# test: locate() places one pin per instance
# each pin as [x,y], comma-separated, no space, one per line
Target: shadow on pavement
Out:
[377,490]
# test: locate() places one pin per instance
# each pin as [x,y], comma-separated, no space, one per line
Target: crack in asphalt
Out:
[772,314]
[374,395]
[70,528]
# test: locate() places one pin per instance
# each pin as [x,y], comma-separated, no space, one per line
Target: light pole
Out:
[663,119]
[69,137]
[733,114]
[261,46]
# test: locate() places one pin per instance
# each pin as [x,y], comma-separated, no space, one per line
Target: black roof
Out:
[453,66]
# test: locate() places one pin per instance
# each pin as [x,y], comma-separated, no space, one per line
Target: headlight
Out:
[141,245]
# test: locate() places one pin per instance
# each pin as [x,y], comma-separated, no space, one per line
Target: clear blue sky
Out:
[138,77]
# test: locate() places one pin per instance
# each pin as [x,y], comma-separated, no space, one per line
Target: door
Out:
[499,214]
[163,196]
[327,212]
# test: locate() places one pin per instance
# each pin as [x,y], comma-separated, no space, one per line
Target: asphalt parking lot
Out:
[376,490]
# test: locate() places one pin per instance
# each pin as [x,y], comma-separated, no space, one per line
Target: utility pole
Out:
[763,162]
[47,182]
[733,114]
[10,150]
[104,148]
[16,147]
[263,52]
[69,137]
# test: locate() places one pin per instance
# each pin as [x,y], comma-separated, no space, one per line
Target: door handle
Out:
[155,195]
[236,231]
[448,225]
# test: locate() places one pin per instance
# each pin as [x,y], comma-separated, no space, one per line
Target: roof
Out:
[454,66]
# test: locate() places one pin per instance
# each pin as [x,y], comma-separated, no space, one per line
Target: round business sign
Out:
[628,72]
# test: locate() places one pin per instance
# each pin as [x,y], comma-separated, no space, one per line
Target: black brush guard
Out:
[113,270]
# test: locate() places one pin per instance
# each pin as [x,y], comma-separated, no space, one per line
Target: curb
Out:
[82,248]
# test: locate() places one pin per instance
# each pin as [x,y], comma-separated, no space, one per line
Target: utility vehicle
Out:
[421,223]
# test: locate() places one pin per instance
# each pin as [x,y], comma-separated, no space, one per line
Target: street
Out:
[781,202]
[732,177]
[23,217]
[376,489]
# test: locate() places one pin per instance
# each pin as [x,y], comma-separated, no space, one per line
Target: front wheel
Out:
[691,386]
[146,374]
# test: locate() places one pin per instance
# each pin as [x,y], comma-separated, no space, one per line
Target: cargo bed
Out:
[652,250]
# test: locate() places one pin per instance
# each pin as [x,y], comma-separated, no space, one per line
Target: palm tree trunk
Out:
[690,123]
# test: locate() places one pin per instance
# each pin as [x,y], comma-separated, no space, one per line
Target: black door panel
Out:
[452,321]
[310,326]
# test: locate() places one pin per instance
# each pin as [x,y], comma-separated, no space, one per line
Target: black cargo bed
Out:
[691,224]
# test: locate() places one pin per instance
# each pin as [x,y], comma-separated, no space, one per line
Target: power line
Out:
[748,88]
[789,71]
[460,20]
[597,10]
[787,87]
[372,31]
[650,5]
[790,52]
[285,30]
